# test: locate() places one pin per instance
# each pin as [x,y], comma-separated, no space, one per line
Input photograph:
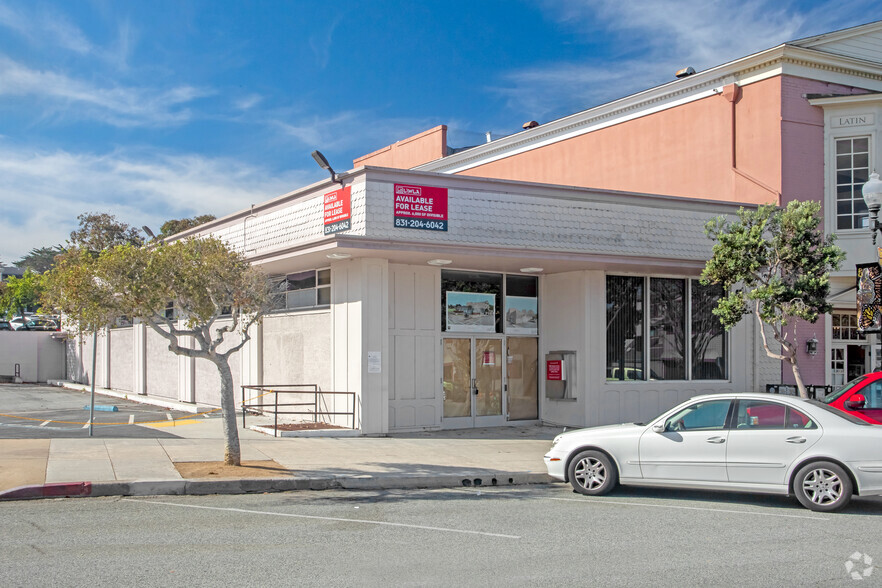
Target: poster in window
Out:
[470,312]
[521,315]
[869,297]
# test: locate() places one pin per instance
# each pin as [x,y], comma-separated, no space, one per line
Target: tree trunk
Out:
[797,375]
[232,451]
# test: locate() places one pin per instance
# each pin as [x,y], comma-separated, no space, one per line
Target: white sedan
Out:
[743,442]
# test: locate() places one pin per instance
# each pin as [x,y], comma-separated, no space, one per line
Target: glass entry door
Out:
[472,382]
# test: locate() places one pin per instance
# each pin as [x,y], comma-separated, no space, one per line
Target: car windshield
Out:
[842,390]
[841,414]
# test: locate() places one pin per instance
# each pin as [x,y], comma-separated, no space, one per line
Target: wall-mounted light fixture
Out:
[440,261]
[811,346]
[323,163]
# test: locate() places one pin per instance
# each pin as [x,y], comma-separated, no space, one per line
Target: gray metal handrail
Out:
[260,408]
[793,390]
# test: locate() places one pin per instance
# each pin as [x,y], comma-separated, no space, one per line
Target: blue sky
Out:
[166,109]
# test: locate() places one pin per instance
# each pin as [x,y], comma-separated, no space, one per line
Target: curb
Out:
[263,485]
[71,489]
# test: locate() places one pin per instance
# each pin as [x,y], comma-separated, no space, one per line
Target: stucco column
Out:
[186,369]
[139,358]
[360,323]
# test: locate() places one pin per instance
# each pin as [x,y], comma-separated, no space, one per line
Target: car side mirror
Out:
[658,428]
[856,402]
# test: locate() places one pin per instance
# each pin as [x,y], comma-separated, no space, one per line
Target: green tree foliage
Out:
[40,259]
[19,295]
[175,226]
[774,263]
[216,294]
[99,231]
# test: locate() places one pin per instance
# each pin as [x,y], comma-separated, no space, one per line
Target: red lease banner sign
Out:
[554,370]
[338,210]
[420,207]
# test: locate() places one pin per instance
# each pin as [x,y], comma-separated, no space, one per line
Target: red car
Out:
[862,397]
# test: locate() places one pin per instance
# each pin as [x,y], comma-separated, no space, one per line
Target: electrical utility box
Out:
[560,375]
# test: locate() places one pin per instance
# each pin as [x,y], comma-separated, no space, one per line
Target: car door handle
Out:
[796,439]
[716,440]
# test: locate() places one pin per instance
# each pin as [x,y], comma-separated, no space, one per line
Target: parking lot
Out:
[35,412]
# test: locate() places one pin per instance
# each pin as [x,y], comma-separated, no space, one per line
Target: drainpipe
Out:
[732,93]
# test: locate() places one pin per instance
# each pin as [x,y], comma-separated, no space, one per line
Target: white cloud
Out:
[352,129]
[43,192]
[116,105]
[645,42]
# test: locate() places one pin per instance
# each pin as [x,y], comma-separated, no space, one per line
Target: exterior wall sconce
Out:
[872,192]
[811,346]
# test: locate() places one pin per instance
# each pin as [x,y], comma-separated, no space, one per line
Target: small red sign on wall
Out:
[338,210]
[554,370]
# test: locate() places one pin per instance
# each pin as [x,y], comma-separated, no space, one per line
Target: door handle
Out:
[716,440]
[796,439]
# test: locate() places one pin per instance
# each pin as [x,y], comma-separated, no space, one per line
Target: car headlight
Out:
[555,441]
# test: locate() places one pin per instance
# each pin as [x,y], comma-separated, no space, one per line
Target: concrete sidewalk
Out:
[32,468]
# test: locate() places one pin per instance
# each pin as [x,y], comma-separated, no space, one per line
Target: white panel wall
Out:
[414,325]
[161,368]
[296,349]
[573,318]
[563,323]
[39,356]
[121,377]
[361,325]
[206,378]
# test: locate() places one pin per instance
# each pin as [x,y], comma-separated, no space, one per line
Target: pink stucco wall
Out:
[802,172]
[683,151]
[411,152]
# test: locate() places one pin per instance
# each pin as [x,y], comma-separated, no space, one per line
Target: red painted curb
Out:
[49,490]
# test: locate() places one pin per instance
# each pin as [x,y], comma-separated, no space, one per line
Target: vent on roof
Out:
[686,71]
[530,125]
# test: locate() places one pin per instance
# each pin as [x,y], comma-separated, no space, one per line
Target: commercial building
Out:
[551,275]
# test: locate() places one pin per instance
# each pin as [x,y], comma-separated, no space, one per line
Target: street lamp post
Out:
[872,193]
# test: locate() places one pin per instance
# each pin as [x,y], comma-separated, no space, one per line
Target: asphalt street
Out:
[514,536]
[29,412]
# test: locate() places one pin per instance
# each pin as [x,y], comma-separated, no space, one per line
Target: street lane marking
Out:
[338,519]
[44,423]
[131,419]
[179,423]
[745,512]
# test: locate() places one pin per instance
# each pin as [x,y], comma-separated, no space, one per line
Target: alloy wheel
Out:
[822,486]
[590,473]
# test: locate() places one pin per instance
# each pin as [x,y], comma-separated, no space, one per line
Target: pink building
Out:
[798,121]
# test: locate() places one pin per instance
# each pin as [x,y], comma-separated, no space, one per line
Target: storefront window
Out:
[521,305]
[709,349]
[471,302]
[845,327]
[669,331]
[624,328]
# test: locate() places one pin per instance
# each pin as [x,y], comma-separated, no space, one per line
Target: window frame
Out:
[645,321]
[834,181]
[321,282]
